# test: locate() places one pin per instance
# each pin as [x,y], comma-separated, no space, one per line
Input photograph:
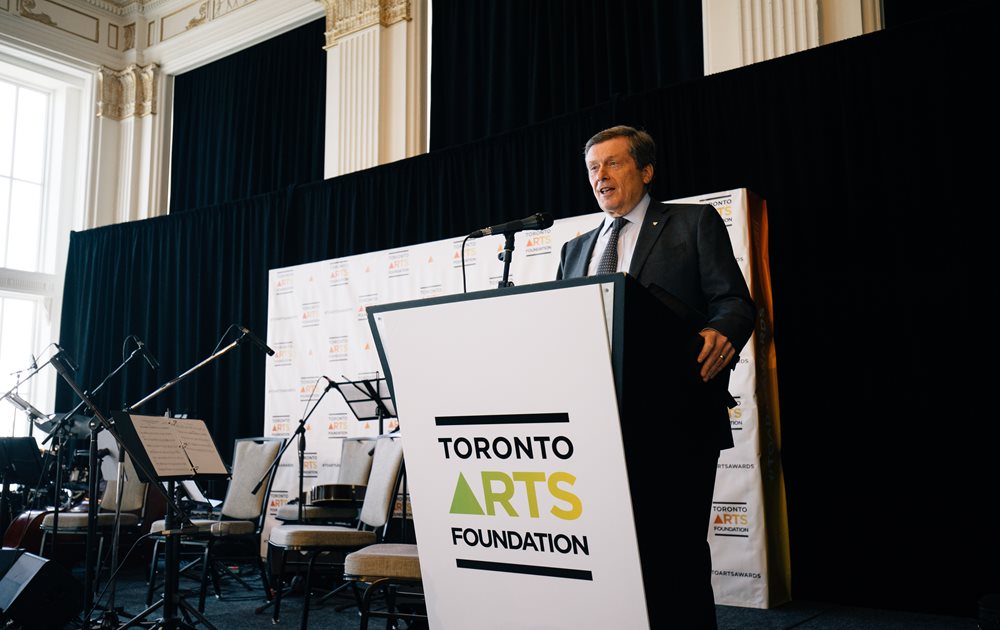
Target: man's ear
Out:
[647,174]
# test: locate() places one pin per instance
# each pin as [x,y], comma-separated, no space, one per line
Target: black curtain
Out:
[251,122]
[873,156]
[501,64]
[178,283]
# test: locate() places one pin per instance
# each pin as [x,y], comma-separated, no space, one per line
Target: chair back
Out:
[382,481]
[251,459]
[355,461]
[133,491]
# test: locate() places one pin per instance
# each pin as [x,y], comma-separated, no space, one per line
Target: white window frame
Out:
[68,195]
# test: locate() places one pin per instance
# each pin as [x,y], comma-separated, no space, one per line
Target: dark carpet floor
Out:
[237,609]
[243,609]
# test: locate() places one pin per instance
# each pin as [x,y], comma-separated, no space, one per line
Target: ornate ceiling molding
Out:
[127,93]
[344,17]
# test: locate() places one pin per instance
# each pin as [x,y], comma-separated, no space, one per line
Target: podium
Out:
[539,426]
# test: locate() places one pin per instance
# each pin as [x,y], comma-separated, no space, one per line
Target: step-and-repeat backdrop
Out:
[318,327]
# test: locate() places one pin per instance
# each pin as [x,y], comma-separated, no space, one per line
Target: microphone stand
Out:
[505,256]
[172,600]
[92,485]
[301,432]
[62,366]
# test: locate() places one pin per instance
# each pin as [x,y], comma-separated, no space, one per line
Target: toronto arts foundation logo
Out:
[284,282]
[523,478]
[284,353]
[538,243]
[336,349]
[339,274]
[310,317]
[399,264]
[470,254]
[723,204]
[731,519]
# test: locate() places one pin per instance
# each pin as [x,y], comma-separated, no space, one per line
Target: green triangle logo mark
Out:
[464,501]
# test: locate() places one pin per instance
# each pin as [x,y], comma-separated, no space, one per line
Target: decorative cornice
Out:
[28,10]
[127,93]
[344,17]
[125,8]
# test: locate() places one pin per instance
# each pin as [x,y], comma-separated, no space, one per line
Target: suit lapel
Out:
[652,226]
[578,265]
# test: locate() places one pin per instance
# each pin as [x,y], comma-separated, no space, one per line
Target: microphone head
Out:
[544,220]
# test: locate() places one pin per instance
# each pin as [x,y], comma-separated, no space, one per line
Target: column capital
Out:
[344,17]
[126,93]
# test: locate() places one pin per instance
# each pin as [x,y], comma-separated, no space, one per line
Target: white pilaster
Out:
[740,32]
[376,70]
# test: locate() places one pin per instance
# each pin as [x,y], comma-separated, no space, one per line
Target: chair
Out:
[387,568]
[132,513]
[312,541]
[235,535]
[340,502]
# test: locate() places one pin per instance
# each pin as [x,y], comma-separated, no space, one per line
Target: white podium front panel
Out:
[514,459]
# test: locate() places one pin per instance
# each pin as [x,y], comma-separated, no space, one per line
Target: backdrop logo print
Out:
[276,499]
[723,204]
[336,424]
[284,283]
[470,255]
[337,349]
[339,274]
[399,264]
[310,314]
[731,519]
[284,353]
[310,465]
[539,243]
[736,416]
[279,425]
[364,301]
[310,388]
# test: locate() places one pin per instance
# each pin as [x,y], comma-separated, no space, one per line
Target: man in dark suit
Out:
[683,254]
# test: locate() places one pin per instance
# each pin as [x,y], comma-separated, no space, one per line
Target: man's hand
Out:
[715,355]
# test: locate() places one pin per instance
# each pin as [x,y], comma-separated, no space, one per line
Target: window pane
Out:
[7,100]
[4,217]
[17,325]
[25,224]
[30,137]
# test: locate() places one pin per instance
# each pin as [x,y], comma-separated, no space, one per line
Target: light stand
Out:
[172,600]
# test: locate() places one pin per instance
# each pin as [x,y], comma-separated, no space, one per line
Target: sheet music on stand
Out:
[172,448]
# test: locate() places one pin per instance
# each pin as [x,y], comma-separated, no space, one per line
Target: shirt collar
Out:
[635,216]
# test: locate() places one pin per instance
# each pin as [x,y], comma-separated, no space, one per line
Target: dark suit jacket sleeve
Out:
[730,309]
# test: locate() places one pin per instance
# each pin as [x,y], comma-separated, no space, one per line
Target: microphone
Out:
[254,338]
[538,221]
[150,359]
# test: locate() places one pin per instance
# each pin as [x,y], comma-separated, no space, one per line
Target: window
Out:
[44,127]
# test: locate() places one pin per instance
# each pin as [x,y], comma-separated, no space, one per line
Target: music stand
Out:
[369,399]
[170,450]
[20,463]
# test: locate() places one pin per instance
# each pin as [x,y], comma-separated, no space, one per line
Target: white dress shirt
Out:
[627,237]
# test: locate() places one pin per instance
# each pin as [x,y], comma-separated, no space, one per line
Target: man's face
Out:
[617,181]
